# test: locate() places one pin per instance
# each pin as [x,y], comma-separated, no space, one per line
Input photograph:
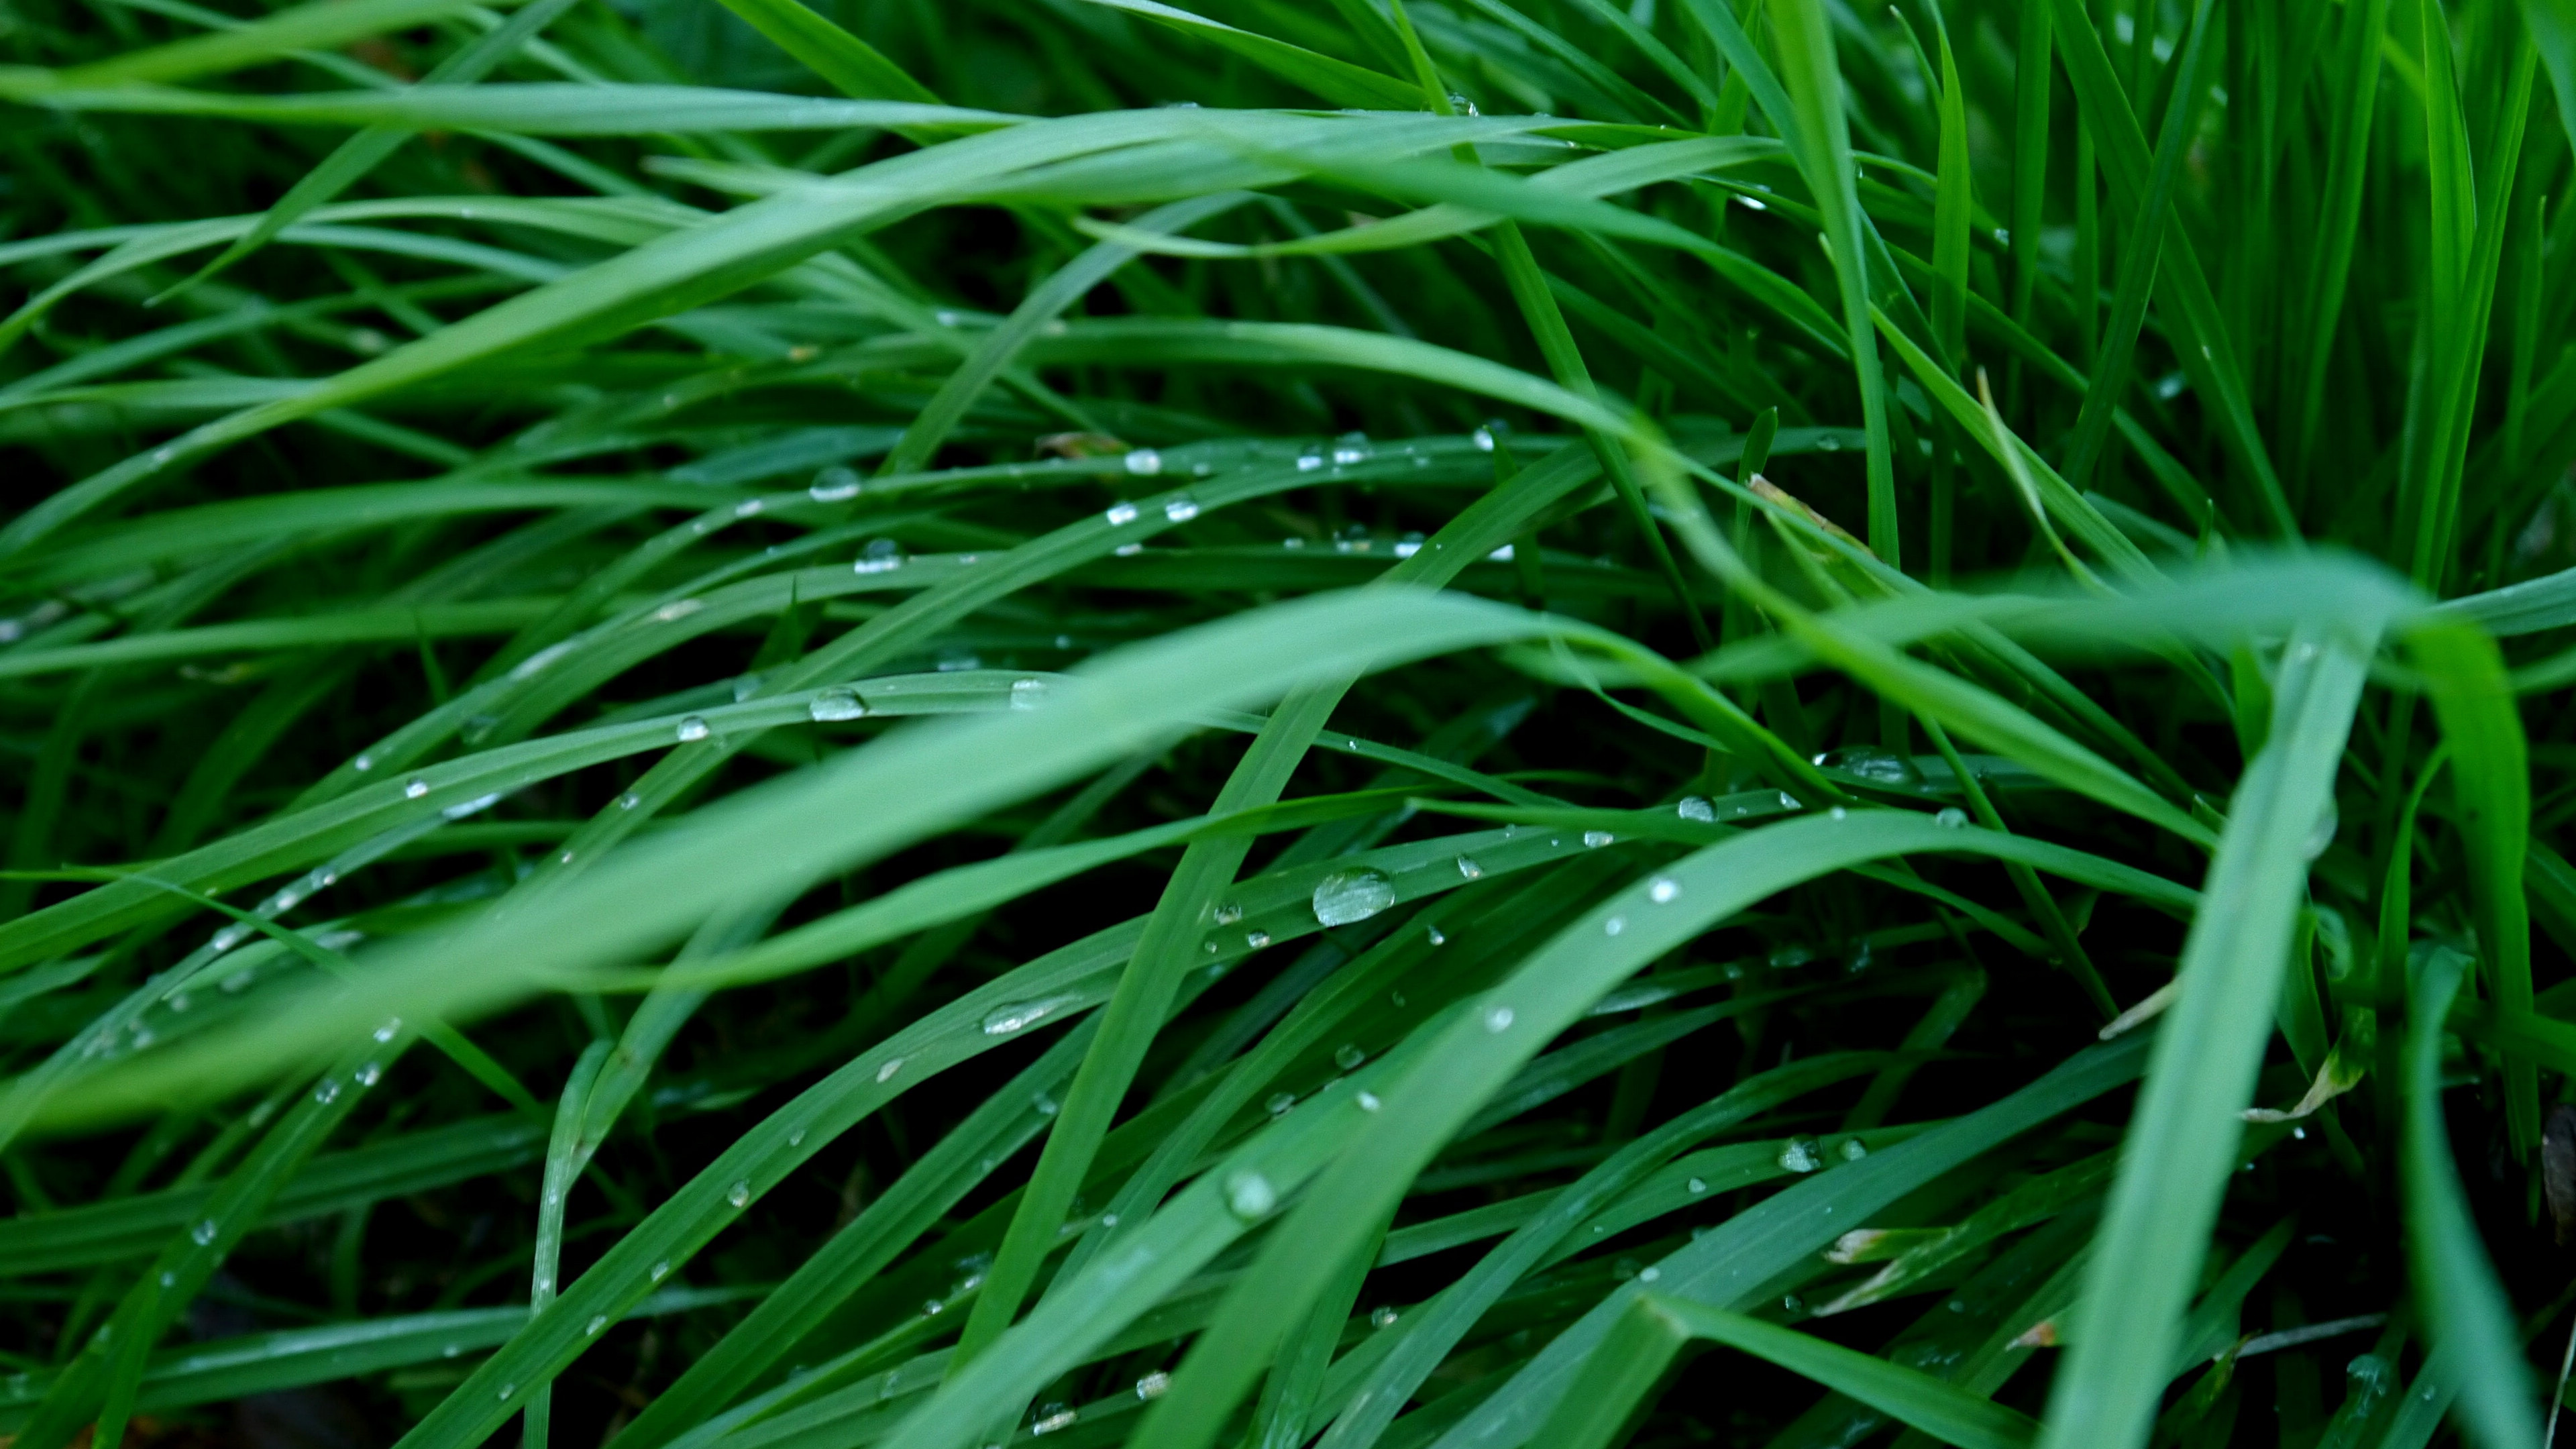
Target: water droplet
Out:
[1696,807]
[1595,839]
[1309,463]
[837,704]
[893,1065]
[1663,890]
[1951,818]
[598,1321]
[1468,867]
[1043,1105]
[1144,462]
[1830,443]
[1153,1385]
[1227,913]
[1062,1418]
[1349,896]
[1383,1318]
[1697,1185]
[661,1270]
[1838,813]
[1018,1016]
[1498,1020]
[328,1092]
[369,1074]
[169,1279]
[1181,509]
[1349,1057]
[1368,1101]
[796,1138]
[1344,457]
[692,729]
[385,1033]
[835,485]
[739,1194]
[1869,762]
[677,610]
[1435,936]
[749,508]
[1853,1149]
[363,763]
[1256,939]
[1788,801]
[931,1308]
[1128,550]
[1121,513]
[882,555]
[508,1389]
[204,1232]
[1280,1103]
[2323,833]
[417,788]
[1483,438]
[1249,1196]
[1802,1154]
[1792,1303]
[1649,1275]
[1027,693]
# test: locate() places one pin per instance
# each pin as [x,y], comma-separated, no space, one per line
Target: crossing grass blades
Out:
[1389,725]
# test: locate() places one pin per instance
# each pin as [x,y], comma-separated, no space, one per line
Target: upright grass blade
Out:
[2178,1157]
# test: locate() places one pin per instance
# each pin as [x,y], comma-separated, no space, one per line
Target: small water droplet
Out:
[882,555]
[169,1279]
[508,1389]
[1255,940]
[677,610]
[328,1092]
[1128,550]
[385,1032]
[1349,1057]
[1614,925]
[1696,807]
[1144,462]
[1249,1196]
[1952,818]
[1121,513]
[661,1270]
[1483,438]
[837,704]
[1435,936]
[692,729]
[1649,1275]
[629,800]
[1595,839]
[1280,1103]
[204,1232]
[1368,1101]
[739,1194]
[369,1074]
[598,1321]
[1802,1154]
[1853,1149]
[417,788]
[1468,867]
[1060,1419]
[1830,443]
[1028,693]
[1788,801]
[835,485]
[1838,813]
[1181,509]
[892,1065]
[1044,1105]
[1309,462]
[1153,1385]
[1349,896]
[1697,1185]
[1383,1318]
[931,1308]
[1663,890]
[1792,1303]
[1498,1019]
[1228,912]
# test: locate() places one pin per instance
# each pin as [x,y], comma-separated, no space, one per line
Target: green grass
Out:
[746,727]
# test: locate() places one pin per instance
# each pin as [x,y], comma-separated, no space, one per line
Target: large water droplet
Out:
[837,704]
[739,1194]
[1349,1057]
[1468,867]
[1383,1318]
[1698,808]
[1028,693]
[1256,939]
[1802,1154]
[1951,818]
[1153,1385]
[1228,912]
[835,485]
[203,1233]
[417,788]
[692,729]
[1181,509]
[1121,513]
[893,1065]
[1021,1015]
[1499,1020]
[1595,839]
[1280,1103]
[1144,462]
[1353,895]
[880,556]
[1874,764]
[1483,438]
[1249,1196]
